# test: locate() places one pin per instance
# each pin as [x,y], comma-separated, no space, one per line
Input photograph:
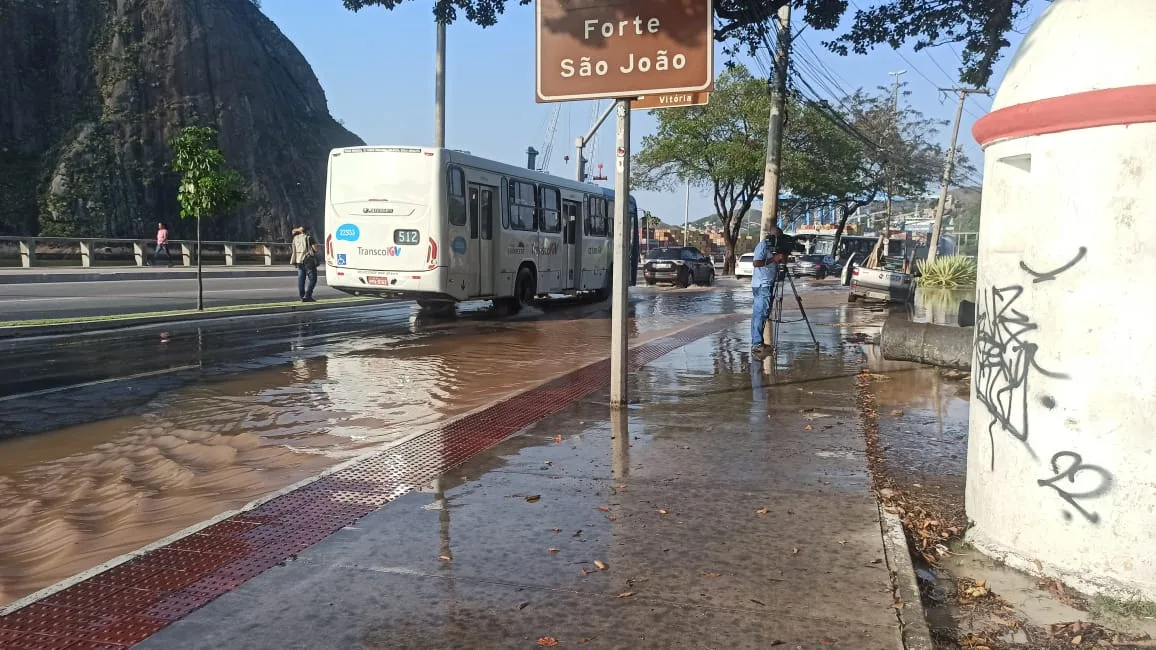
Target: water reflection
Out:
[939,306]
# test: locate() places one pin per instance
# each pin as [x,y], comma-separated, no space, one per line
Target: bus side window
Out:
[608,228]
[550,210]
[504,205]
[456,186]
[523,206]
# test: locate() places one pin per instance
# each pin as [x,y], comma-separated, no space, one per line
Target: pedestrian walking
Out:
[162,244]
[305,250]
[763,278]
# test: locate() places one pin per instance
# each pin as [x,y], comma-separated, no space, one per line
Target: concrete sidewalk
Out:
[730,507]
[18,275]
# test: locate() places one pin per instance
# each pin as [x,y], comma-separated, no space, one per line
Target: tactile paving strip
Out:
[128,603]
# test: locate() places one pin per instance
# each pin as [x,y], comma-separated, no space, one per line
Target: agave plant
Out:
[948,272]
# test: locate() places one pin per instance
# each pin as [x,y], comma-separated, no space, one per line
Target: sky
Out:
[377,69]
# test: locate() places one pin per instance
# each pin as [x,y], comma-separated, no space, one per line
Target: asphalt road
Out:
[102,298]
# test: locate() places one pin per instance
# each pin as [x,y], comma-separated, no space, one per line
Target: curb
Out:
[24,331]
[33,277]
[913,631]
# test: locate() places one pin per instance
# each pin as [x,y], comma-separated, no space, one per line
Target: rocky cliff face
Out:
[92,91]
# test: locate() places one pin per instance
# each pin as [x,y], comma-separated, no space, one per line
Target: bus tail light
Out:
[432,255]
[329,248]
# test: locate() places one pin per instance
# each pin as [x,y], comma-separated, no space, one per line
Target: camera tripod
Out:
[781,271]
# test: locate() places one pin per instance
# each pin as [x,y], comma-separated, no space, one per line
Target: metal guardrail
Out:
[89,249]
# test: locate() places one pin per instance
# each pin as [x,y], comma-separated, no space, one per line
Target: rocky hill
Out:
[92,91]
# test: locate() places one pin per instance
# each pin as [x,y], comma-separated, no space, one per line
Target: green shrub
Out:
[948,272]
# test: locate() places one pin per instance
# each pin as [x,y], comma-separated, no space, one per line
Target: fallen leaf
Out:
[523,605]
[794,551]
[445,558]
[604,508]
[556,530]
[577,533]
[584,641]
[826,641]
[626,594]
[600,564]
[533,497]
[762,511]
[551,550]
[808,428]
[777,642]
[1077,639]
[558,438]
[547,642]
[662,512]
[621,487]
[711,575]
[897,413]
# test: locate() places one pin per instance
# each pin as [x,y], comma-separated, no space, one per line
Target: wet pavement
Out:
[126,437]
[770,454]
[729,507]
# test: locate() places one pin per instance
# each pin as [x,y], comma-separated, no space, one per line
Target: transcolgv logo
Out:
[348,232]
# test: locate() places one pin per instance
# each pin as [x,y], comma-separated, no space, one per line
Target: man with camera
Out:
[768,256]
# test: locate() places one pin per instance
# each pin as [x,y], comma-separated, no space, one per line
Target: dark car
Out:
[680,266]
[814,266]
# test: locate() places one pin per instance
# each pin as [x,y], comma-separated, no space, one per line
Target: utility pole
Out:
[686,216]
[947,168]
[895,117]
[771,178]
[619,366]
[440,88]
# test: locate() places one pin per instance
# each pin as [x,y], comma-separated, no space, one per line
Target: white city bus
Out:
[443,226]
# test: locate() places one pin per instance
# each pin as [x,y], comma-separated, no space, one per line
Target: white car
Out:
[745,267]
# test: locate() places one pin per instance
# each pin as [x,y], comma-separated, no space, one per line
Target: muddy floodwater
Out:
[77,495]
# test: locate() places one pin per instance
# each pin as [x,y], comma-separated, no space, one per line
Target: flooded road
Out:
[109,442]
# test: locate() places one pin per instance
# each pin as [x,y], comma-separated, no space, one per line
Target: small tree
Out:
[721,146]
[207,187]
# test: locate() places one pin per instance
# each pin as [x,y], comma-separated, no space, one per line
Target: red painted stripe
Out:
[1107,107]
[132,601]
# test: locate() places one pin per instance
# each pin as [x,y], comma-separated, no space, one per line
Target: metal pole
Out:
[895,117]
[686,217]
[618,330]
[775,127]
[933,250]
[580,142]
[440,88]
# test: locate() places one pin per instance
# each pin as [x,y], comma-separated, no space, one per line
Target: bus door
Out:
[571,251]
[482,203]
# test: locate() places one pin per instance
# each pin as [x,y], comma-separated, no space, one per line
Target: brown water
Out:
[73,498]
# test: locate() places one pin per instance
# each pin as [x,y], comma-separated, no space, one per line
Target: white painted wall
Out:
[1086,402]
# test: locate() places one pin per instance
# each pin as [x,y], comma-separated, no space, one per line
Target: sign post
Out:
[621,50]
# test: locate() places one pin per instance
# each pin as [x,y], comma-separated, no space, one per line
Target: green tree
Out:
[979,25]
[208,188]
[720,146]
[847,156]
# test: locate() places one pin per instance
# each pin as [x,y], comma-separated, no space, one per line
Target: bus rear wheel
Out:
[525,288]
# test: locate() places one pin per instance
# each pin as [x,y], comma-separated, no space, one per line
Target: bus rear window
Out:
[357,176]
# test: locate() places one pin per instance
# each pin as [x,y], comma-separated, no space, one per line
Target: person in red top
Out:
[162,244]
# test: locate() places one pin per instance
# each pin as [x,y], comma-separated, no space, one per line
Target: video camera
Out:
[784,244]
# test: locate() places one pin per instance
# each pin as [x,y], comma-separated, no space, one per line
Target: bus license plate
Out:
[406,237]
[378,280]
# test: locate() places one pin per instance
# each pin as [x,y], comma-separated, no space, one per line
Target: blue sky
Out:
[376,67]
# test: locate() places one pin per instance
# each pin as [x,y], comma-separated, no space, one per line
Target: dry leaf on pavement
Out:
[444,558]
[708,574]
[662,512]
[558,438]
[556,530]
[626,594]
[600,564]
[808,428]
[604,508]
[794,551]
[523,605]
[552,550]
[533,497]
[762,511]
[548,642]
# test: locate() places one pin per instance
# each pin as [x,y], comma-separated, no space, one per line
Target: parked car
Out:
[680,266]
[881,284]
[745,266]
[718,260]
[809,266]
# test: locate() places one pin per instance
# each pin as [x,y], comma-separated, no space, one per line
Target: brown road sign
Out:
[594,49]
[673,100]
